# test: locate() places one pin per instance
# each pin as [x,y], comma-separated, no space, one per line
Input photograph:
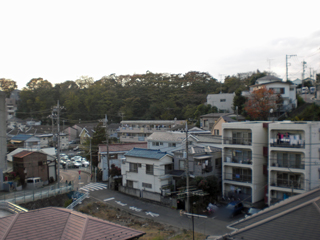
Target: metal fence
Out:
[32,195]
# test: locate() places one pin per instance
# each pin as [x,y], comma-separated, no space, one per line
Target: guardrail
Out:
[13,208]
[32,195]
[80,199]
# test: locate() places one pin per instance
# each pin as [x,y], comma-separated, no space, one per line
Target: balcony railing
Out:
[238,177]
[285,183]
[287,143]
[232,159]
[287,164]
[238,141]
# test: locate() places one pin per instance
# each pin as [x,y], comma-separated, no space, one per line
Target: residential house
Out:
[286,90]
[203,161]
[208,120]
[165,141]
[116,155]
[244,165]
[146,170]
[217,127]
[26,141]
[32,122]
[61,223]
[294,162]
[31,164]
[86,133]
[268,79]
[295,218]
[222,101]
[74,131]
[139,130]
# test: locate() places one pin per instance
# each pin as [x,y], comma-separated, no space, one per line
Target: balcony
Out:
[239,160]
[287,164]
[246,178]
[237,141]
[286,183]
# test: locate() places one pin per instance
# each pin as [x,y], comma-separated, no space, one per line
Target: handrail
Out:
[11,207]
[80,199]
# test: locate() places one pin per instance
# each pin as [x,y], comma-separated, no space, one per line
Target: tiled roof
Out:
[122,147]
[60,223]
[297,217]
[22,154]
[146,153]
[269,77]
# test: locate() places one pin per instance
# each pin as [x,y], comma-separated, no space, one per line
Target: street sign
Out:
[79,172]
[79,177]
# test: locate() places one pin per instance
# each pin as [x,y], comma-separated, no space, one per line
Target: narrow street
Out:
[73,175]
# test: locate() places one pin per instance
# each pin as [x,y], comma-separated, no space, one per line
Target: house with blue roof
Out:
[26,141]
[146,172]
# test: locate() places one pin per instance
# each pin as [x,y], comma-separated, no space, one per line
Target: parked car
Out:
[33,183]
[312,90]
[252,211]
[85,163]
[304,90]
[234,208]
[77,164]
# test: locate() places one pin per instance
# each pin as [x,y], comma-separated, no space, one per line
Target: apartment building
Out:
[294,159]
[139,130]
[270,161]
[243,165]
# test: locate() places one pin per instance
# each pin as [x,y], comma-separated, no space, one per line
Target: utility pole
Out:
[288,64]
[90,157]
[107,138]
[56,114]
[304,63]
[187,169]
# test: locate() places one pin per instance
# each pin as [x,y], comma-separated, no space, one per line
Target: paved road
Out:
[73,175]
[207,226]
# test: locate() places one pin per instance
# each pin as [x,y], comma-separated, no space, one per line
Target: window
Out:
[222,100]
[216,132]
[181,165]
[129,183]
[149,169]
[113,156]
[133,167]
[172,144]
[278,90]
[146,185]
[40,163]
[155,143]
[168,168]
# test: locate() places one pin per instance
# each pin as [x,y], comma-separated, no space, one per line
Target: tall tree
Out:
[7,85]
[259,103]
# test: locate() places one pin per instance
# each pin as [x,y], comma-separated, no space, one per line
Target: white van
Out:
[33,183]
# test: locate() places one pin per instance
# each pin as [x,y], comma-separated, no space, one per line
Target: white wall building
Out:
[165,141]
[243,160]
[146,169]
[223,101]
[294,161]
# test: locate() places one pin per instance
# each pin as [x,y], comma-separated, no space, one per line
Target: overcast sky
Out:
[63,40]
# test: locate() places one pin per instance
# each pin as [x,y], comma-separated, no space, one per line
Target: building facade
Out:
[222,101]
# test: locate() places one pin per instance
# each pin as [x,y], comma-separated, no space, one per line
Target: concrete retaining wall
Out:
[129,191]
[151,196]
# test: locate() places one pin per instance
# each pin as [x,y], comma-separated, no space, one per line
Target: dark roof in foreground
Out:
[297,217]
[61,223]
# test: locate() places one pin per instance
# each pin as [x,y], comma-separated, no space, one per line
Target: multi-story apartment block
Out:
[138,131]
[243,175]
[270,161]
[294,158]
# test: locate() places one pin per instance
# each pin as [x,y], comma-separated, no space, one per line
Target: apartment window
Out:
[133,167]
[149,169]
[216,132]
[129,183]
[172,144]
[222,100]
[146,185]
[155,143]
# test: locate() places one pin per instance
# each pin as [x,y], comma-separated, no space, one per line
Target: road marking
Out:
[108,199]
[135,209]
[152,214]
[122,204]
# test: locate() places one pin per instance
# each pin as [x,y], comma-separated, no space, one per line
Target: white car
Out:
[85,163]
[77,164]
